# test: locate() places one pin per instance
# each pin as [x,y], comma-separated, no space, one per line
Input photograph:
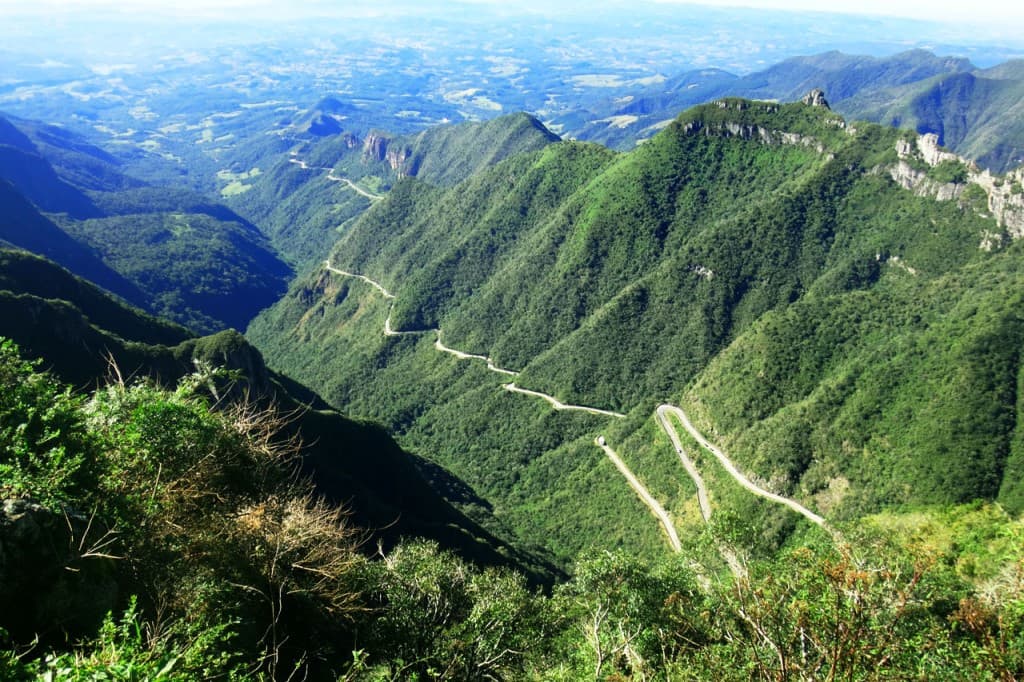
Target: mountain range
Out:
[85,337]
[973,111]
[771,267]
[722,380]
[170,251]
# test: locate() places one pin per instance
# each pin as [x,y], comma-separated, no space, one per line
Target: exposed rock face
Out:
[933,154]
[1005,199]
[378,148]
[745,131]
[396,158]
[1005,195]
[375,147]
[49,586]
[816,98]
[918,182]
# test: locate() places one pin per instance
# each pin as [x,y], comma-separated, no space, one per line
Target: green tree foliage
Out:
[843,338]
[123,651]
[620,616]
[202,511]
[436,617]
[198,270]
[46,450]
[304,212]
[240,574]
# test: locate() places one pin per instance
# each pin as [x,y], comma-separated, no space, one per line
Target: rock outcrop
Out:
[1005,194]
[375,147]
[746,131]
[918,182]
[816,98]
[397,159]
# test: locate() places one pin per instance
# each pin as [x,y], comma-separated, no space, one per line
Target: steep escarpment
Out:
[311,197]
[619,281]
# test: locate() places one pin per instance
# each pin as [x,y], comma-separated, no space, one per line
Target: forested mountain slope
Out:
[307,199]
[835,303]
[170,251]
[77,331]
[978,113]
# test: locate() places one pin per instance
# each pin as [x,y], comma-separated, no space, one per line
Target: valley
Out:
[602,380]
[663,414]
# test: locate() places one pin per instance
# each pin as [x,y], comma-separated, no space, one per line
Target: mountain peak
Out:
[816,98]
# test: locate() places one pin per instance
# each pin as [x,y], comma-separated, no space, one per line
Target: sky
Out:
[993,22]
[991,12]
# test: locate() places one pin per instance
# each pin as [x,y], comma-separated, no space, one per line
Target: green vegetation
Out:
[216,564]
[976,113]
[77,331]
[950,170]
[845,79]
[304,213]
[196,270]
[236,181]
[194,511]
[169,251]
[845,340]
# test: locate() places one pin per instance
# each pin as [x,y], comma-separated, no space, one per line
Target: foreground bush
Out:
[180,516]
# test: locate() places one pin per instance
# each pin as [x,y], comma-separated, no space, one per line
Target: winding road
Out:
[353,186]
[387,294]
[558,404]
[691,469]
[335,178]
[726,463]
[438,344]
[644,494]
[664,412]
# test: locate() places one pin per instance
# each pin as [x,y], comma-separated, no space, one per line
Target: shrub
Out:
[46,451]
[950,170]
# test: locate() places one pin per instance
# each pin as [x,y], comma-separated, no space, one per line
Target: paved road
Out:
[702,491]
[335,178]
[644,495]
[439,345]
[558,404]
[727,464]
[381,289]
[663,413]
[352,185]
[388,331]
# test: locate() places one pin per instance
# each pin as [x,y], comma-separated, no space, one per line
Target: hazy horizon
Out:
[1003,16]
